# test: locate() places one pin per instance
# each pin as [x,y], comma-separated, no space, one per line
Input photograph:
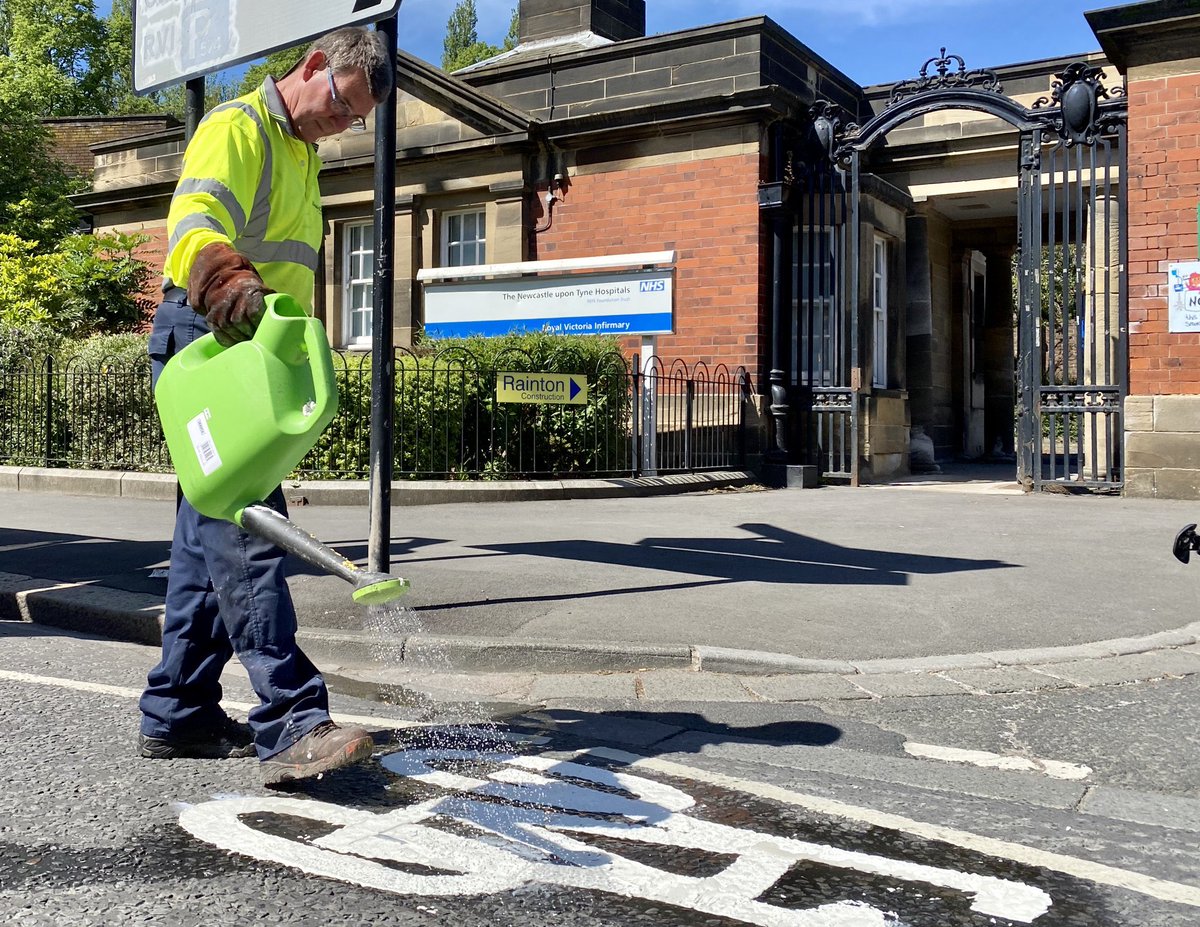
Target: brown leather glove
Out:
[225,288]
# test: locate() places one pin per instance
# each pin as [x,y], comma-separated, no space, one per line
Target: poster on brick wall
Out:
[1183,297]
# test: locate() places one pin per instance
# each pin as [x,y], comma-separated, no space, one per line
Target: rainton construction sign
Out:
[551,388]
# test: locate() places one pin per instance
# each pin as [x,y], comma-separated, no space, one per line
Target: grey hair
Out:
[354,47]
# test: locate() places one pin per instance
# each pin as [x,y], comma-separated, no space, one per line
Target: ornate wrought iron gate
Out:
[1071,327]
[1073,341]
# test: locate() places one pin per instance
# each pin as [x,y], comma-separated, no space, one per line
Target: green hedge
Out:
[447,422]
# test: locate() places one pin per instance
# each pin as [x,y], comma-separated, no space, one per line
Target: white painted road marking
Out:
[1175,892]
[97,688]
[523,816]
[1053,768]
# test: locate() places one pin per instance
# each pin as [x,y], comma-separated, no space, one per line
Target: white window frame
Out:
[879,306]
[825,356]
[448,256]
[350,311]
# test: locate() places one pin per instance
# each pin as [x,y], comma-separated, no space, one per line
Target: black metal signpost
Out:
[383,360]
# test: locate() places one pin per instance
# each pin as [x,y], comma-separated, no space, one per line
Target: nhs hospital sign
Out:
[500,299]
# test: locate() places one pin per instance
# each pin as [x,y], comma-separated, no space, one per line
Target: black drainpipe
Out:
[775,207]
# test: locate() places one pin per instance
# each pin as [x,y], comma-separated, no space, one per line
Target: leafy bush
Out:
[88,284]
[111,418]
[446,421]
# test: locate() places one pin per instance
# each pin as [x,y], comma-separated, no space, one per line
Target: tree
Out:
[462,48]
[513,39]
[276,65]
[55,57]
[33,183]
[119,40]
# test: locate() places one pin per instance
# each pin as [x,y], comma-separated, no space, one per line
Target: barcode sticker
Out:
[206,450]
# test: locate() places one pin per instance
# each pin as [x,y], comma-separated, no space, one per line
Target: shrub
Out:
[89,284]
[446,421]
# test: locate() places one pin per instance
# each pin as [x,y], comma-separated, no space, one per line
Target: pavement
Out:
[698,588]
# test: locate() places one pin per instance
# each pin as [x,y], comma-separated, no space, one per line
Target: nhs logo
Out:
[652,286]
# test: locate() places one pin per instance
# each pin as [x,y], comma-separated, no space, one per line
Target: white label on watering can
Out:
[206,451]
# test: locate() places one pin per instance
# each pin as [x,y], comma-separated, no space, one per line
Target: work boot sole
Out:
[156,748]
[275,772]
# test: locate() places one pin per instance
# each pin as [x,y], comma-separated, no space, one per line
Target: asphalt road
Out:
[606,812]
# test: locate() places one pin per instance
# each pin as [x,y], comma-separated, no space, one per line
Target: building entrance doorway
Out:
[1009,336]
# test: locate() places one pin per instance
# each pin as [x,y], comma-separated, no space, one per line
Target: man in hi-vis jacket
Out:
[246,221]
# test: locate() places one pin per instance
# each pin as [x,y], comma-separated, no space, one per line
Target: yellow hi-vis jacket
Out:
[247,180]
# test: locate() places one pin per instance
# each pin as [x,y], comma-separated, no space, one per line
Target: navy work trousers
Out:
[226,594]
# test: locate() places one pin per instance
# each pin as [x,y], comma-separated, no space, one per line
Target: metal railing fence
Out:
[447,424]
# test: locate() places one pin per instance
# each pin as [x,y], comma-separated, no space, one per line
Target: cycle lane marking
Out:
[527,822]
[1099,873]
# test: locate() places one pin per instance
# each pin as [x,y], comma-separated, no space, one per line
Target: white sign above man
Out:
[176,40]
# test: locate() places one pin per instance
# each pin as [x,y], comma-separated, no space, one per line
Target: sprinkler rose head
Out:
[377,588]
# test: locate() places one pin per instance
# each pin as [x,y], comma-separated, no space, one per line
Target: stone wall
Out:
[74,137]
[1162,435]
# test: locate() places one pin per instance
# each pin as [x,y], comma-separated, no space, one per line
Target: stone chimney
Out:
[610,19]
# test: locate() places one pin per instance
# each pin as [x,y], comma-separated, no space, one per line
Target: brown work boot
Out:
[325,747]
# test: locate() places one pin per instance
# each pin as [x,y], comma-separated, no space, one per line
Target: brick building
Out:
[913,273]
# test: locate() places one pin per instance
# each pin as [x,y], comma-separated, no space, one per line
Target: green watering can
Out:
[238,420]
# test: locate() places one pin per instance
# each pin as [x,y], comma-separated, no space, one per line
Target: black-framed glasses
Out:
[342,109]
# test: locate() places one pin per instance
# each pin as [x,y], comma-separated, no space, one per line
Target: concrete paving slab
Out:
[684,686]
[1115,670]
[601,728]
[1143,808]
[934,664]
[1003,679]
[904,685]
[798,688]
[560,687]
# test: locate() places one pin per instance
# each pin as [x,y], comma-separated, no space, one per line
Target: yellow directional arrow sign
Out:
[559,388]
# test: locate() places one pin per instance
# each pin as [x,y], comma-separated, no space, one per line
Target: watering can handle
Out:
[316,342]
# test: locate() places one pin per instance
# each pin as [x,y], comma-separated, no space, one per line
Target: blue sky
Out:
[872,41]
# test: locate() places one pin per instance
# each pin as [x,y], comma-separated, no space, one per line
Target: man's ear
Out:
[315,61]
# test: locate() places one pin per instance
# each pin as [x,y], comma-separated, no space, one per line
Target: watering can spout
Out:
[369,588]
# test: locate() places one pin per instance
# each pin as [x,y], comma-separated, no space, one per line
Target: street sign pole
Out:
[383,359]
[193,107]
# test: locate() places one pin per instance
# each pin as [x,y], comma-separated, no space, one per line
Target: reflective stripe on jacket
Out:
[249,182]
